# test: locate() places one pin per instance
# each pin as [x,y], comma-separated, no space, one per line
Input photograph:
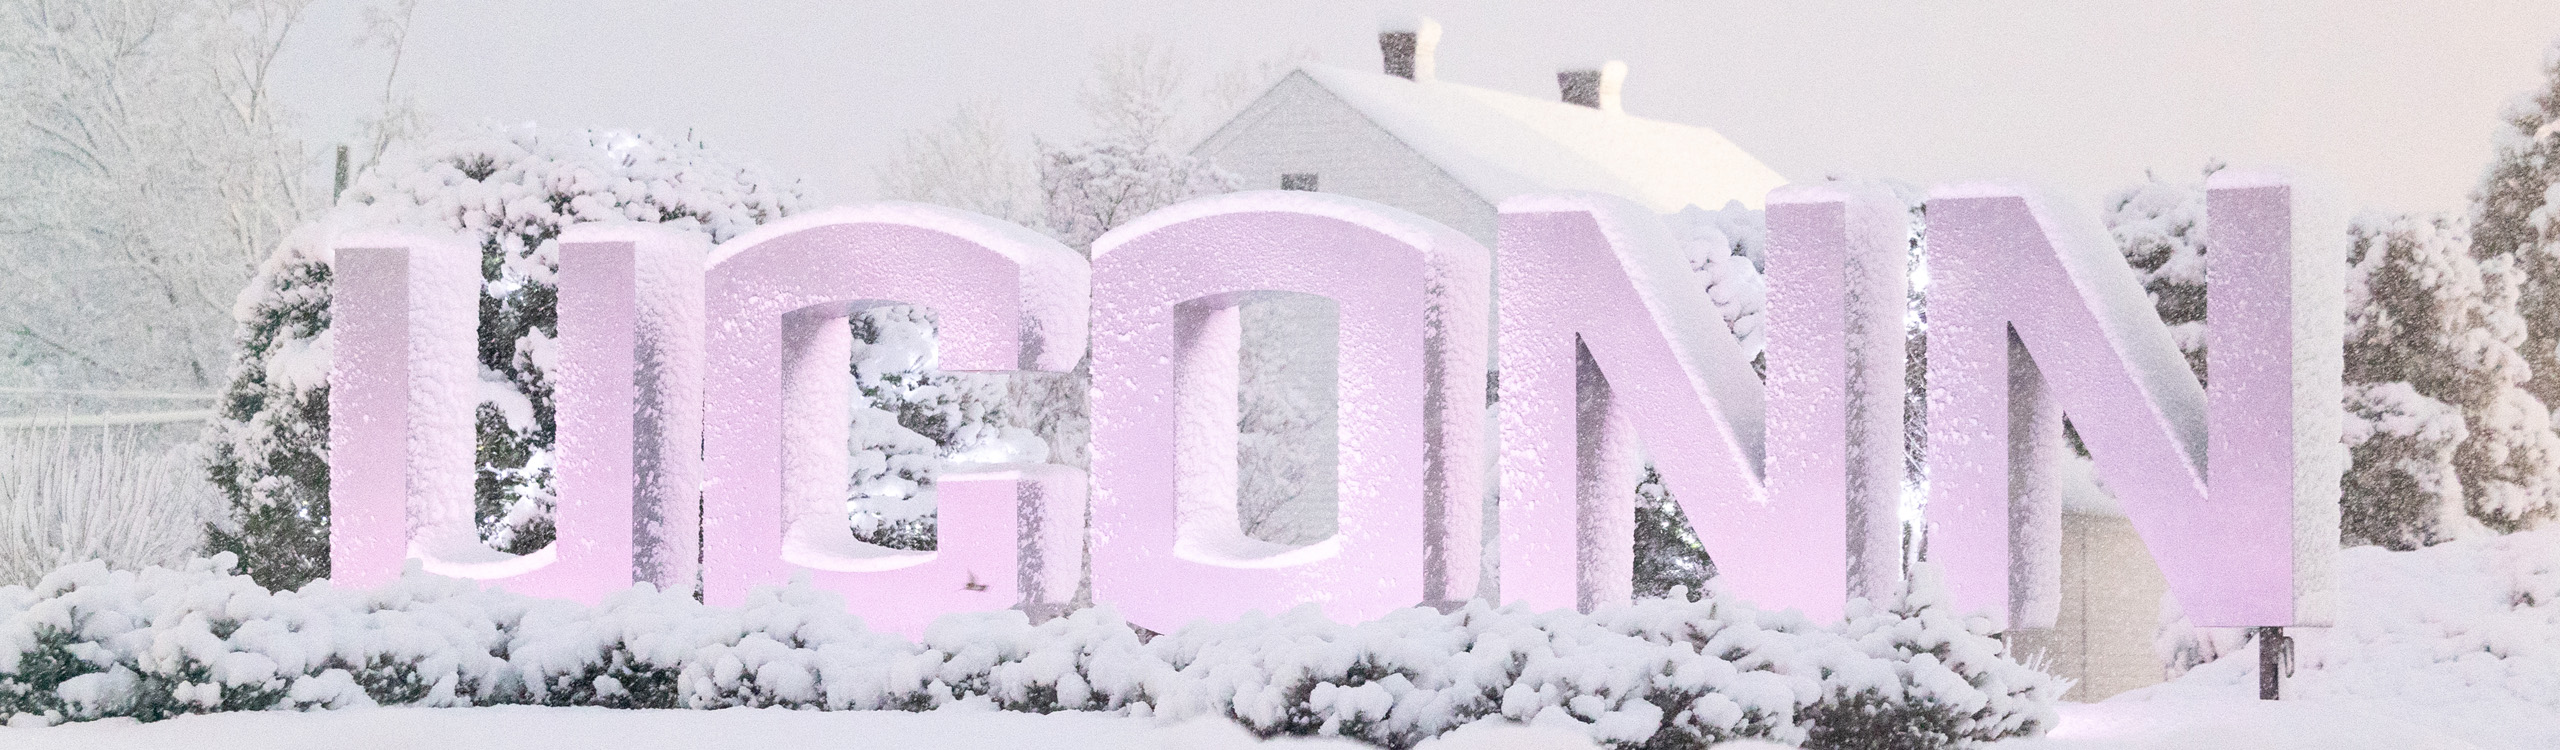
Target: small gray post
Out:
[2275,657]
[342,174]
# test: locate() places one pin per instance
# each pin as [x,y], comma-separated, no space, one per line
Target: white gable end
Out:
[1299,127]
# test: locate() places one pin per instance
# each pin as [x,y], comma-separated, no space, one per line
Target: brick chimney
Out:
[1597,88]
[1406,49]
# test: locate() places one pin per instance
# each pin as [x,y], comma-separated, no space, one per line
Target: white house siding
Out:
[1300,127]
[2111,593]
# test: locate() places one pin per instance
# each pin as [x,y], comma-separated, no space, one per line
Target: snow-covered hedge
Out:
[89,643]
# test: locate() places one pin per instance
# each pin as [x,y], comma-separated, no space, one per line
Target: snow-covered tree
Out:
[1668,554]
[1915,373]
[969,162]
[2423,312]
[2159,226]
[1088,189]
[2510,466]
[1137,94]
[148,170]
[1138,161]
[2408,300]
[2515,214]
[907,417]
[386,27]
[512,190]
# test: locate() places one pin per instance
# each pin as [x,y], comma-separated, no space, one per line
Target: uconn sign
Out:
[704,395]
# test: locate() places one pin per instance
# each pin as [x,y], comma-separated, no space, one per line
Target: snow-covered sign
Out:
[2027,304]
[741,350]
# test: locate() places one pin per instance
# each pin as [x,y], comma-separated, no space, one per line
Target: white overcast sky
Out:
[2392,101]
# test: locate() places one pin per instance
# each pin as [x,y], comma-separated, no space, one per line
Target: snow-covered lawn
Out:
[2311,724]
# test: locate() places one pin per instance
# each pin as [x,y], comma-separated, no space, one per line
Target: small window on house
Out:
[1298,181]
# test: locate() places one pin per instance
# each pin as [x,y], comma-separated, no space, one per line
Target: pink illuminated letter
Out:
[1412,299]
[404,314]
[630,420]
[776,424]
[1606,337]
[1837,289]
[2246,544]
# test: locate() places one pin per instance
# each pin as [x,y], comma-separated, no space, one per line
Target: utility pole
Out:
[342,174]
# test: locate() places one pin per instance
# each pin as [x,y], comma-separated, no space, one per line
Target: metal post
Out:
[2275,659]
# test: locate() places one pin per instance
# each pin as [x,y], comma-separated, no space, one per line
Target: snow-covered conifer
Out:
[2510,466]
[2422,311]
[513,190]
[2515,214]
[2159,226]
[2401,444]
[1668,553]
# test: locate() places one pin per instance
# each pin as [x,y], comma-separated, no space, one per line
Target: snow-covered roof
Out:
[1499,145]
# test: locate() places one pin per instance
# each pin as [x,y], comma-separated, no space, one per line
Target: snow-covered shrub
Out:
[87,643]
[513,190]
[115,494]
[1951,683]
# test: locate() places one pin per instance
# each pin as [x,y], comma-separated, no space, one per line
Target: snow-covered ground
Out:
[2250,724]
[2453,646]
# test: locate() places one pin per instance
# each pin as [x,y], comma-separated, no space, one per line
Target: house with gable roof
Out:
[1452,152]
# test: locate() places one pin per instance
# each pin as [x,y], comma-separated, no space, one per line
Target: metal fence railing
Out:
[22,408]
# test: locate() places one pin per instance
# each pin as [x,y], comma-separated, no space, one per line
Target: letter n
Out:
[2244,544]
